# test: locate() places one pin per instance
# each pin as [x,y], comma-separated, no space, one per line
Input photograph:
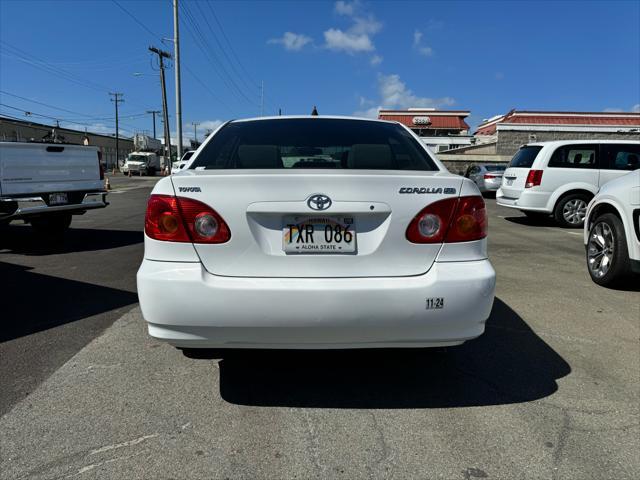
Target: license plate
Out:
[58,198]
[304,234]
[509,181]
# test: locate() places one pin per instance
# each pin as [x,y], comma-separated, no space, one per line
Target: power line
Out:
[59,72]
[88,117]
[44,104]
[209,52]
[38,126]
[135,19]
[221,47]
[208,90]
[231,49]
[195,77]
[235,55]
[83,121]
[55,71]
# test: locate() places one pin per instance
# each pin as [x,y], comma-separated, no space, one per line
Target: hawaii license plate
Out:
[58,198]
[305,234]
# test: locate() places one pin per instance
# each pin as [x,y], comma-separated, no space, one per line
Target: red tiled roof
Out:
[563,118]
[574,120]
[488,130]
[437,121]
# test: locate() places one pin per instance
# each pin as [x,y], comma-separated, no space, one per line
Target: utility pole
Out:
[153,112]
[117,98]
[262,98]
[195,131]
[165,115]
[176,51]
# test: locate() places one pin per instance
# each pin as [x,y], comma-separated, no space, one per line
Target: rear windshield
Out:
[314,143]
[524,157]
[495,168]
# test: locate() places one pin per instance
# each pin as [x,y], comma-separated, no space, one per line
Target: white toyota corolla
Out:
[315,232]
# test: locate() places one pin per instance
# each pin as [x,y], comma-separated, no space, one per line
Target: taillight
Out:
[534,178]
[450,220]
[430,225]
[488,176]
[180,219]
[100,165]
[469,222]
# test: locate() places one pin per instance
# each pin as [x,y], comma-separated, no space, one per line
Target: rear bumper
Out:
[188,307]
[528,200]
[24,207]
[491,185]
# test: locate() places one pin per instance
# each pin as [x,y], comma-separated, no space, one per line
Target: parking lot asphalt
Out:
[58,296]
[551,390]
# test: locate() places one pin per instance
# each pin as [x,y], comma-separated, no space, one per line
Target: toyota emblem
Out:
[319,202]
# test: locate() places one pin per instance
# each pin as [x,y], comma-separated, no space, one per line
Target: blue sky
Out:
[345,57]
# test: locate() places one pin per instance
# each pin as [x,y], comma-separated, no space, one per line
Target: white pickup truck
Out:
[45,184]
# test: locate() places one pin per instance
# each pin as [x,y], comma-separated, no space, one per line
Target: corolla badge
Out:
[319,202]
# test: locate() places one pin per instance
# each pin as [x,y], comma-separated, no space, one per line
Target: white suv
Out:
[315,232]
[560,178]
[612,231]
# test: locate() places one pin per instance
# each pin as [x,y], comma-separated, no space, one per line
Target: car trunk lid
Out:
[258,206]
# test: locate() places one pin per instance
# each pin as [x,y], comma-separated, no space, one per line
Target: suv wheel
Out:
[607,254]
[571,210]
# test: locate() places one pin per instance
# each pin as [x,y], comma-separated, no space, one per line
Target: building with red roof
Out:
[440,130]
[517,127]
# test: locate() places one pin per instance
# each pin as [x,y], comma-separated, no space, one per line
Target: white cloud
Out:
[348,42]
[293,42]
[365,25]
[395,94]
[417,38]
[419,47]
[210,124]
[356,38]
[346,8]
[375,60]
[187,131]
[635,109]
[203,128]
[368,113]
[365,102]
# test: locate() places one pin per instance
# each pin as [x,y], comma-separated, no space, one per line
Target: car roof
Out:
[298,117]
[560,143]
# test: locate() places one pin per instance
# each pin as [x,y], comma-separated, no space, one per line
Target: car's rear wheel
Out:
[571,210]
[52,224]
[607,254]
